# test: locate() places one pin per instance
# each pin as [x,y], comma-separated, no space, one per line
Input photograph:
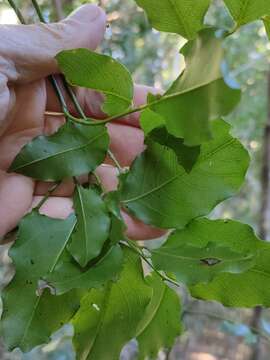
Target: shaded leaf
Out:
[92,228]
[205,249]
[112,313]
[53,158]
[85,68]
[200,93]
[186,155]
[248,289]
[184,17]
[154,127]
[28,319]
[67,275]
[161,322]
[118,226]
[158,191]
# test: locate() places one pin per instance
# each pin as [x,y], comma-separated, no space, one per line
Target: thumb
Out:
[28,51]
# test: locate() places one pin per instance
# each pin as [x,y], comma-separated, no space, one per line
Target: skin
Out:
[26,59]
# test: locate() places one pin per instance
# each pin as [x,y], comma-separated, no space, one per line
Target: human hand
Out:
[26,60]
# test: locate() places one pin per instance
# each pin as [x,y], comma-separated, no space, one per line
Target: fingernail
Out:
[86,13]
[95,13]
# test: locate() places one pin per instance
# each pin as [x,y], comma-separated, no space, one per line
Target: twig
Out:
[137,248]
[17,11]
[47,195]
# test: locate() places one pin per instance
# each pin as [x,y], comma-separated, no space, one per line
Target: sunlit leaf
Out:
[200,93]
[85,68]
[67,275]
[184,17]
[245,11]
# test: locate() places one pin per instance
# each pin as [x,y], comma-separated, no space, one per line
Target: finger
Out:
[28,52]
[140,98]
[137,230]
[66,188]
[25,120]
[13,207]
[107,175]
[55,207]
[61,208]
[126,143]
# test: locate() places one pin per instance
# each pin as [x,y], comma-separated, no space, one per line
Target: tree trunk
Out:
[265,207]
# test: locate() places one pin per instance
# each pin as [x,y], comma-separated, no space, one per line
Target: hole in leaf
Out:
[210,261]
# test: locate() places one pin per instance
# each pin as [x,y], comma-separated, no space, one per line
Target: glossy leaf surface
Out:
[55,157]
[92,228]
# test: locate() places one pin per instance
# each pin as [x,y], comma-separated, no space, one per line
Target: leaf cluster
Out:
[84,270]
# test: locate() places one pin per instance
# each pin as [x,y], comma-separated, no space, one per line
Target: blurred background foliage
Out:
[212,332]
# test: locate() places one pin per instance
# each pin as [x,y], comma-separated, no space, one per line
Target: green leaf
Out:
[112,314]
[154,126]
[206,248]
[240,290]
[158,191]
[150,120]
[184,17]
[53,158]
[200,93]
[245,11]
[93,225]
[88,69]
[266,21]
[248,289]
[118,226]
[67,275]
[161,323]
[186,155]
[28,319]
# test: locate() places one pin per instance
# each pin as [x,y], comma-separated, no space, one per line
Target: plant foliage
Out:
[84,270]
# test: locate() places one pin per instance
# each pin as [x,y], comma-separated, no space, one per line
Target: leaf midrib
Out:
[154,312]
[107,297]
[39,297]
[179,175]
[180,17]
[189,258]
[59,153]
[84,224]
